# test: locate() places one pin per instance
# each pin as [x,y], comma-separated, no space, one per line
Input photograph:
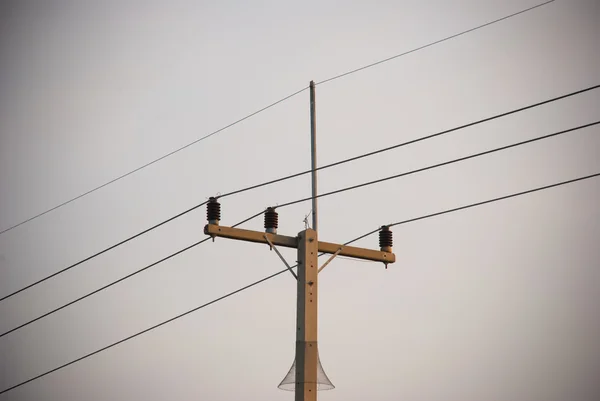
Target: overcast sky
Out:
[496,303]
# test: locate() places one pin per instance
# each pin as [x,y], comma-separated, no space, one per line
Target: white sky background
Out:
[497,302]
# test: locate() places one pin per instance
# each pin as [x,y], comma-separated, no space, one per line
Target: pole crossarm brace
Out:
[281,257]
[329,260]
[292,242]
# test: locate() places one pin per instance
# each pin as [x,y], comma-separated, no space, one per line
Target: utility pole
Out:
[307,363]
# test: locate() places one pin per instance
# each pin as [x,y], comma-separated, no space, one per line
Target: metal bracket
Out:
[281,257]
[329,260]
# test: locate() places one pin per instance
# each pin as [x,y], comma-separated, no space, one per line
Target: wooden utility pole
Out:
[309,247]
[306,309]
[306,317]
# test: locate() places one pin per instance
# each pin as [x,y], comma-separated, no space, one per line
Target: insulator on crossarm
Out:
[213,211]
[271,220]
[385,239]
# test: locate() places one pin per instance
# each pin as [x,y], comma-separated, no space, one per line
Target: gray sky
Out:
[495,303]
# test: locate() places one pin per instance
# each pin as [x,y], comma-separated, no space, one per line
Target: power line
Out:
[441,133]
[285,270]
[355,260]
[152,162]
[187,248]
[140,333]
[101,252]
[265,108]
[456,209]
[423,138]
[433,43]
[304,200]
[460,159]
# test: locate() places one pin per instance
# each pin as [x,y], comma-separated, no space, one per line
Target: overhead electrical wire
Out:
[460,159]
[471,205]
[434,43]
[252,187]
[472,156]
[136,272]
[285,270]
[410,142]
[268,107]
[152,162]
[103,251]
